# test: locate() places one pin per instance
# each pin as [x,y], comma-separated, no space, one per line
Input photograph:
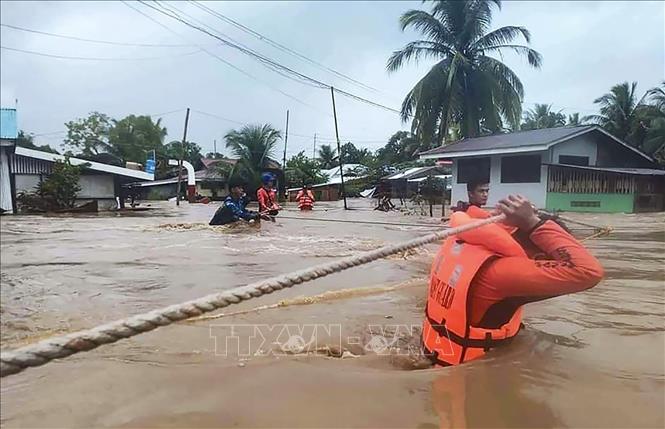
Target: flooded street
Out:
[594,359]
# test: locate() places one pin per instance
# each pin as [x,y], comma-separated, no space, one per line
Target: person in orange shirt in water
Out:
[305,198]
[481,278]
[267,196]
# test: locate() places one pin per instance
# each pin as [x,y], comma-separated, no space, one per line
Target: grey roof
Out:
[621,170]
[519,139]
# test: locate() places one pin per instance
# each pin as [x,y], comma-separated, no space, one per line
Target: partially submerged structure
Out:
[331,190]
[580,168]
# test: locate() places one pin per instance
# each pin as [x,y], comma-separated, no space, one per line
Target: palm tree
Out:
[574,120]
[466,86]
[620,112]
[327,157]
[541,116]
[253,145]
[654,142]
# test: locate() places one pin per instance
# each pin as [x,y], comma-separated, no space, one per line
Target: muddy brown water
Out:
[594,359]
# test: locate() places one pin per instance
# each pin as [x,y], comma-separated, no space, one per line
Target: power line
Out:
[64,57]
[104,42]
[278,45]
[273,65]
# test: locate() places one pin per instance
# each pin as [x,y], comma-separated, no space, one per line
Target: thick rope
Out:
[42,352]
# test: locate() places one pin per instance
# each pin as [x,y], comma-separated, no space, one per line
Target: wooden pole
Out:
[314,150]
[286,140]
[214,150]
[182,155]
[339,150]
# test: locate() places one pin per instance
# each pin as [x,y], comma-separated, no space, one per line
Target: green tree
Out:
[301,170]
[541,116]
[133,138]
[402,146]
[214,155]
[352,155]
[467,85]
[90,136]
[254,145]
[62,185]
[654,115]
[26,140]
[192,153]
[620,113]
[574,120]
[327,157]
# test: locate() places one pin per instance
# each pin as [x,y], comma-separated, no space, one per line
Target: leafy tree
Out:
[467,86]
[27,141]
[134,137]
[62,185]
[353,155]
[192,153]
[574,120]
[301,170]
[327,157]
[401,147]
[90,135]
[654,115]
[541,116]
[254,145]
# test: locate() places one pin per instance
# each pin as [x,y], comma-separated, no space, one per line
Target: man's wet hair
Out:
[236,182]
[472,184]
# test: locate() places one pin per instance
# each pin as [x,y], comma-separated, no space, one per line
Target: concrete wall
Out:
[600,203]
[584,145]
[535,192]
[96,186]
[26,182]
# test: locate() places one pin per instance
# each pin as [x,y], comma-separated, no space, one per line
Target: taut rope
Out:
[42,352]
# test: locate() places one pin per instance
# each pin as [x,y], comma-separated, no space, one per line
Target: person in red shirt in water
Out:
[267,196]
[481,278]
[305,198]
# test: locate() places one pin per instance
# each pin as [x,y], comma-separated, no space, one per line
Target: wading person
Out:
[481,278]
[478,191]
[233,208]
[305,198]
[267,196]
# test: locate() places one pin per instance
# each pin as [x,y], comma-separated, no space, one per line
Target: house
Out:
[580,168]
[210,181]
[407,182]
[331,190]
[22,169]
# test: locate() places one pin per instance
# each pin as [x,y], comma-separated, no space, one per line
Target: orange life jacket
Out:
[305,200]
[448,336]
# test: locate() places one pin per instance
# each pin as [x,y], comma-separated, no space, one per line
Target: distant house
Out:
[568,168]
[331,190]
[407,182]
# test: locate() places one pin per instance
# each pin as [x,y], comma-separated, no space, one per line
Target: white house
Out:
[580,168]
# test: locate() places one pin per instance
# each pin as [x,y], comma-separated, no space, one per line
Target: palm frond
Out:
[415,51]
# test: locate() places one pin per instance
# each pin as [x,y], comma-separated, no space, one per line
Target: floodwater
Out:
[318,354]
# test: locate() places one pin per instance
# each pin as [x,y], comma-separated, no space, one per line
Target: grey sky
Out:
[587,48]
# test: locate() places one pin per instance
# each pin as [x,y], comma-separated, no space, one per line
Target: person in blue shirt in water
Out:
[233,208]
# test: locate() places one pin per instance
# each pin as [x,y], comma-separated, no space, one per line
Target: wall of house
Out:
[96,186]
[584,145]
[26,182]
[535,192]
[595,203]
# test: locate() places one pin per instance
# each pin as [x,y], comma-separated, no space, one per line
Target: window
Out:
[585,203]
[520,169]
[472,168]
[574,160]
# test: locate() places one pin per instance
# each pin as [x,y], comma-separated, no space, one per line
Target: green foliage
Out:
[27,141]
[303,170]
[134,137]
[574,120]
[61,185]
[327,157]
[90,135]
[468,86]
[402,146]
[353,155]
[254,145]
[541,116]
[214,155]
[192,153]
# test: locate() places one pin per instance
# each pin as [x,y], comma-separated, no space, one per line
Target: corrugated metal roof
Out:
[621,170]
[520,139]
[8,124]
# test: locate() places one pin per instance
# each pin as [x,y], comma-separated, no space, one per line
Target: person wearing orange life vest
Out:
[305,198]
[481,278]
[267,196]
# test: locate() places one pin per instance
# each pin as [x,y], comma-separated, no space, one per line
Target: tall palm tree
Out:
[574,120]
[542,116]
[620,112]
[327,157]
[466,86]
[253,145]
[654,142]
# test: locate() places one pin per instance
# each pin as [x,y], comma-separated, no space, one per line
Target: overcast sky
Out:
[587,47]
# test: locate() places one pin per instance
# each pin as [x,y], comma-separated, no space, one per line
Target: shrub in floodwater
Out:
[57,191]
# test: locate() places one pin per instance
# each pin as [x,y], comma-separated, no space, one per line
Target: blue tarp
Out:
[8,126]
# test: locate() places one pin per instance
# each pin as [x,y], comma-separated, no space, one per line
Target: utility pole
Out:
[339,150]
[214,145]
[314,151]
[286,140]
[182,155]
